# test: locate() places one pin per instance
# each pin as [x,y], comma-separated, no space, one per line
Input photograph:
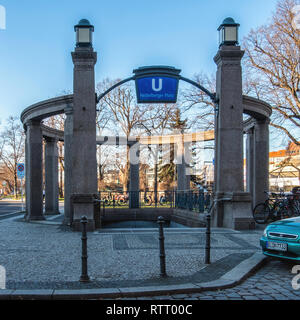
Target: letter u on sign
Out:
[154,88]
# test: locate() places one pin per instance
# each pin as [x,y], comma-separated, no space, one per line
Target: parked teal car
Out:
[281,239]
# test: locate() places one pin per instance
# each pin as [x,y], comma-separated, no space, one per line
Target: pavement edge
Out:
[232,278]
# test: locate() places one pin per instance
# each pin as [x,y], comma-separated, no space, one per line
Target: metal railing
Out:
[197,201]
[141,199]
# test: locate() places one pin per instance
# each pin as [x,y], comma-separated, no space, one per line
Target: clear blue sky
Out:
[35,60]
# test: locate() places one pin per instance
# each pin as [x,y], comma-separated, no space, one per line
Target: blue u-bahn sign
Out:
[157,84]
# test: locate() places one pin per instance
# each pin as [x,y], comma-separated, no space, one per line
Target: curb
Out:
[11,214]
[228,280]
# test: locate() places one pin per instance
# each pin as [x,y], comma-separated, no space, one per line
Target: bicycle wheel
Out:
[163,201]
[284,212]
[296,208]
[121,201]
[147,201]
[261,213]
[106,201]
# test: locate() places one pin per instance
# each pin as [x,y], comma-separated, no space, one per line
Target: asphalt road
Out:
[9,207]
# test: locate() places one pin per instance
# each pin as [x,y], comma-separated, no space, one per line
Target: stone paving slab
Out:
[45,259]
[177,291]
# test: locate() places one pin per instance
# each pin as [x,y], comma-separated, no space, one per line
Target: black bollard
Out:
[207,241]
[84,272]
[162,254]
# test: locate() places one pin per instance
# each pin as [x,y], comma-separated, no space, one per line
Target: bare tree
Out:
[273,68]
[12,142]
[158,125]
[198,104]
[289,166]
[58,122]
[123,114]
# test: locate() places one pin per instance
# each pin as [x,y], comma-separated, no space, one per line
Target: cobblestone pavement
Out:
[272,282]
[34,255]
[46,255]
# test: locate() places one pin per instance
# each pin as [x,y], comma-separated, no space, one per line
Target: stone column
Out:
[261,161]
[187,162]
[34,169]
[51,177]
[180,166]
[134,179]
[84,163]
[183,160]
[68,133]
[250,161]
[26,172]
[236,212]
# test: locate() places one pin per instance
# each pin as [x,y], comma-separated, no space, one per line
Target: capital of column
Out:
[50,139]
[229,55]
[68,110]
[32,122]
[84,58]
[262,121]
[250,130]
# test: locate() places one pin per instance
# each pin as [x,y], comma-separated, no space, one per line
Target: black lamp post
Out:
[228,33]
[84,31]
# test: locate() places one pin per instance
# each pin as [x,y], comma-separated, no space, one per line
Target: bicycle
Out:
[273,209]
[122,199]
[107,199]
[165,198]
[293,202]
[147,200]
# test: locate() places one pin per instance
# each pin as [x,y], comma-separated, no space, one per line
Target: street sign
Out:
[158,84]
[157,90]
[20,170]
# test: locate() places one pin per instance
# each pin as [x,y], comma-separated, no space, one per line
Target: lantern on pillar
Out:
[228,33]
[84,32]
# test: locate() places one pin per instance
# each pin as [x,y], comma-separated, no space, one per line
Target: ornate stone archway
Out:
[79,136]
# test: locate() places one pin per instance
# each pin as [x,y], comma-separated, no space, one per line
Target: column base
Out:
[34,218]
[83,205]
[235,212]
[51,213]
[66,223]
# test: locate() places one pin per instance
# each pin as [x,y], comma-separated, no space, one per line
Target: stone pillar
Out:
[84,163]
[26,172]
[183,160]
[261,161]
[180,166]
[51,177]
[68,133]
[187,162]
[34,169]
[236,212]
[250,162]
[134,179]
[181,183]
